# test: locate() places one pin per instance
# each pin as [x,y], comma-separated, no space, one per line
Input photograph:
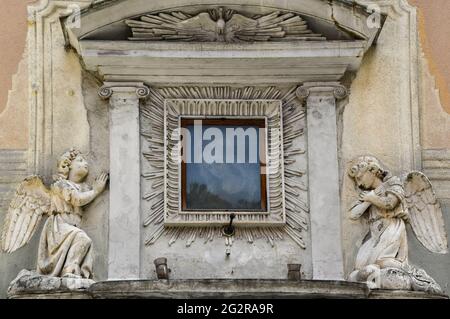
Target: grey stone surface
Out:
[95,217]
[207,259]
[324,181]
[236,289]
[244,288]
[96,214]
[12,264]
[124,214]
[263,63]
[258,260]
[436,165]
[436,265]
[13,169]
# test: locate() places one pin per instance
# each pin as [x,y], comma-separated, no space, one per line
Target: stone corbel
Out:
[125,168]
[320,99]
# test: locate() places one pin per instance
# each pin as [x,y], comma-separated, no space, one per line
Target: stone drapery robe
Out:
[387,230]
[64,248]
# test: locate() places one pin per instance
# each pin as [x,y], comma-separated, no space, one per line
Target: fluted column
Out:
[326,237]
[124,202]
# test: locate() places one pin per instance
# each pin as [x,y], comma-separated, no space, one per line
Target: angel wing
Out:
[425,213]
[276,26]
[31,201]
[174,26]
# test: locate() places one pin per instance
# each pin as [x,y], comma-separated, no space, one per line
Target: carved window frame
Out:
[271,110]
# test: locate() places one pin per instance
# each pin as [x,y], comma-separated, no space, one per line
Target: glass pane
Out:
[227,174]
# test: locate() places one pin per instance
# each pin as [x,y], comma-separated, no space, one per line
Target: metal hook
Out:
[229,230]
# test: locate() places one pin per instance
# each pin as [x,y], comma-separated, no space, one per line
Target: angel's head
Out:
[367,172]
[73,165]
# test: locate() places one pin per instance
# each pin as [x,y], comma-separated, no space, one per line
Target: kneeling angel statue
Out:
[65,250]
[389,203]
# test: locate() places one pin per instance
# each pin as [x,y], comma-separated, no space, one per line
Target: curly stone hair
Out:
[367,163]
[65,161]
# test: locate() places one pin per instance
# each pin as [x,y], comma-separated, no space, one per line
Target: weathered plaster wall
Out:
[371,126]
[95,218]
[377,121]
[79,119]
[11,264]
[15,116]
[92,119]
[435,119]
[208,260]
[433,25]
[13,25]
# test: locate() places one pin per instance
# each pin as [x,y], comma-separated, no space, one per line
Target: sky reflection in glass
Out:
[227,185]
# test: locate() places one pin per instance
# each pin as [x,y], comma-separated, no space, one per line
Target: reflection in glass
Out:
[224,185]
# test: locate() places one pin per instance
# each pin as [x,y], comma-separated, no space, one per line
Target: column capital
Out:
[109,88]
[322,88]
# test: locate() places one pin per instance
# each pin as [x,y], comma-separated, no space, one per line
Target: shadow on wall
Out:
[24,258]
[436,265]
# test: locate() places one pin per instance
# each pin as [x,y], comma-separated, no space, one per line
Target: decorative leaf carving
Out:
[297,211]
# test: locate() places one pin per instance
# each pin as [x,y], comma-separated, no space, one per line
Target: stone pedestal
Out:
[30,285]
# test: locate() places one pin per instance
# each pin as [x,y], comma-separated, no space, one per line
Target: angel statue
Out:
[65,250]
[390,203]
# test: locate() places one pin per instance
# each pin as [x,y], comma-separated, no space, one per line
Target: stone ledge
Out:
[402,294]
[52,295]
[226,288]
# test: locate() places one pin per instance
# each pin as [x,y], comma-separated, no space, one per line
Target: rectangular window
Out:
[223,165]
